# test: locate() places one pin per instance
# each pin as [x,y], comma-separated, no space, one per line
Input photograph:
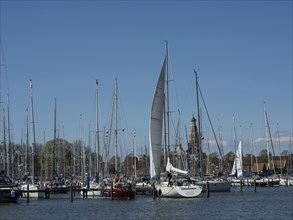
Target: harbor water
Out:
[266,203]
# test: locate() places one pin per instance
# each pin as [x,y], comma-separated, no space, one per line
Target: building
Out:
[193,148]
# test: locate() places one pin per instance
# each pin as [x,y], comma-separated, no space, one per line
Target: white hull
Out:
[32,191]
[93,192]
[236,182]
[189,191]
[267,182]
[286,182]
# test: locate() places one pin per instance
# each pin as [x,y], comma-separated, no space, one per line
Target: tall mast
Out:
[134,153]
[116,121]
[33,127]
[167,104]
[97,131]
[83,167]
[278,139]
[199,126]
[10,151]
[54,144]
[26,143]
[6,154]
[235,141]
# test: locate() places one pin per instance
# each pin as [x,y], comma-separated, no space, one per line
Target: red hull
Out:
[119,193]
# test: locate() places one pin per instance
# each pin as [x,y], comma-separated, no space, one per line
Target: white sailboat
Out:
[31,188]
[93,187]
[164,189]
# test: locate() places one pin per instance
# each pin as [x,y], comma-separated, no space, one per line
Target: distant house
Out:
[259,168]
[278,166]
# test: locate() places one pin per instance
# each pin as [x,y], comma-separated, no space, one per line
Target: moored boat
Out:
[32,190]
[8,190]
[92,188]
[157,119]
[119,190]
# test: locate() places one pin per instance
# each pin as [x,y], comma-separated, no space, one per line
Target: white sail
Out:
[237,165]
[156,125]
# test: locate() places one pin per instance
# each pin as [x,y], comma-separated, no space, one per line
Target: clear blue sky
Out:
[243,50]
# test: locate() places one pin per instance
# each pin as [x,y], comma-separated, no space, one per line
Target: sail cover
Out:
[156,125]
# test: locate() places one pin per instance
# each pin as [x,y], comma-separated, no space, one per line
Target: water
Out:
[266,203]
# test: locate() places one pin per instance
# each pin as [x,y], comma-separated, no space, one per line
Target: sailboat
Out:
[119,189]
[215,185]
[8,190]
[30,188]
[165,189]
[266,178]
[93,187]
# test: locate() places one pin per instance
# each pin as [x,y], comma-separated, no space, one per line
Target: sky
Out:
[242,51]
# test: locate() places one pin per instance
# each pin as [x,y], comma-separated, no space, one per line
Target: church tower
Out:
[193,148]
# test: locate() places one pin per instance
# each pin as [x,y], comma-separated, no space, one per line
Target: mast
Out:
[83,167]
[269,139]
[134,153]
[208,154]
[199,126]
[33,130]
[116,121]
[97,132]
[26,144]
[6,154]
[90,156]
[253,150]
[235,145]
[10,151]
[168,102]
[280,157]
[54,144]
[221,153]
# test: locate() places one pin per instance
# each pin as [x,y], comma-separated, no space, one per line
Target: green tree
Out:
[56,159]
[229,160]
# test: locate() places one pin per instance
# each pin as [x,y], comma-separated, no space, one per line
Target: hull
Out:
[236,182]
[92,192]
[263,182]
[94,189]
[8,195]
[189,191]
[119,193]
[33,191]
[59,190]
[216,186]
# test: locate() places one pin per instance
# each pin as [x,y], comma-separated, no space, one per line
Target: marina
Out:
[146,110]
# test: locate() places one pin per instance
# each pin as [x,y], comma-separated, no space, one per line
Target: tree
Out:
[285,153]
[229,159]
[112,165]
[263,156]
[58,159]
